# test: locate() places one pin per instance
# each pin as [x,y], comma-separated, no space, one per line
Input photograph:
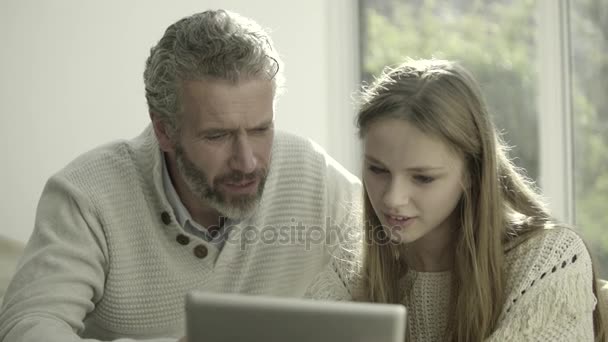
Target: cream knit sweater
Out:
[108,261]
[548,286]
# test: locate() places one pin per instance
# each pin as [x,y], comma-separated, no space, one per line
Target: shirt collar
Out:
[182,215]
[181,212]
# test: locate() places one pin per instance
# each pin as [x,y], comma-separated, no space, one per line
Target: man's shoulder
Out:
[296,145]
[292,149]
[114,157]
[95,158]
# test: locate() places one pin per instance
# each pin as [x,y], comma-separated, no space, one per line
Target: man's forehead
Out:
[219,85]
[221,103]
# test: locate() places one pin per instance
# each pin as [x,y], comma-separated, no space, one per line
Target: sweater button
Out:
[165,217]
[182,239]
[214,231]
[200,251]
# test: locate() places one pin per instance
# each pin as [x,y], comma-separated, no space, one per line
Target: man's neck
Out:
[201,214]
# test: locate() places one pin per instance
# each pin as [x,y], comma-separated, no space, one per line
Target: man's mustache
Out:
[238,176]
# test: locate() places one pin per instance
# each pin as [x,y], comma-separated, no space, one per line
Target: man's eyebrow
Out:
[212,131]
[217,130]
[264,124]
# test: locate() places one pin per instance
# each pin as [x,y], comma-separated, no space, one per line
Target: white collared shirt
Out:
[184,218]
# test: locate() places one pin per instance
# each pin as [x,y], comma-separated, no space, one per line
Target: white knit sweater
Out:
[105,262]
[548,287]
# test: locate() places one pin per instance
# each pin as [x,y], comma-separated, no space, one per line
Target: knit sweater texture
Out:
[108,261]
[549,294]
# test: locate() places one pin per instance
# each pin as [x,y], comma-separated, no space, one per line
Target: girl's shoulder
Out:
[543,259]
[549,248]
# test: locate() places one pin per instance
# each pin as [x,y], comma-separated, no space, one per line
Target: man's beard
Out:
[234,207]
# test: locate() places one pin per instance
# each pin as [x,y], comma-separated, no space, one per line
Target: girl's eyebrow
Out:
[411,169]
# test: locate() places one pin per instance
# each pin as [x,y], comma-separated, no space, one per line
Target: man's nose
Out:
[243,158]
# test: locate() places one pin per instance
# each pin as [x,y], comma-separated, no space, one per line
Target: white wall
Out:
[71,79]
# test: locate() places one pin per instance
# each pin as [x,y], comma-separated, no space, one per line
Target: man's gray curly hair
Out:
[215,44]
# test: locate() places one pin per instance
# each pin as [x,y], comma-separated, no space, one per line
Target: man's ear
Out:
[161,132]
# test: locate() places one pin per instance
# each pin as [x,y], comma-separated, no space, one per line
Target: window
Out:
[588,31]
[507,45]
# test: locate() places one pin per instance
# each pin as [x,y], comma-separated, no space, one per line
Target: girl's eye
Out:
[376,169]
[423,179]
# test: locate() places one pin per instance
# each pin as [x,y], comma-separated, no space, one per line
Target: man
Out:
[208,197]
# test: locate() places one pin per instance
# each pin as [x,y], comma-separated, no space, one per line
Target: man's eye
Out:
[261,130]
[215,137]
[423,179]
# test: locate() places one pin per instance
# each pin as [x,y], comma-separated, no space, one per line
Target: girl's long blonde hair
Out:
[443,100]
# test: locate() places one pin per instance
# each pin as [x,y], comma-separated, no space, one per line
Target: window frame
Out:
[555,114]
[554,105]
